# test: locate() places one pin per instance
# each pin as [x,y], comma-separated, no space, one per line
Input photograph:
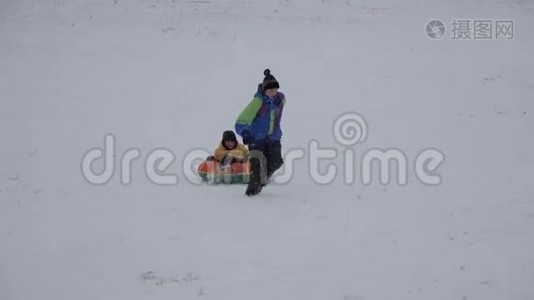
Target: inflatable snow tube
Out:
[211,172]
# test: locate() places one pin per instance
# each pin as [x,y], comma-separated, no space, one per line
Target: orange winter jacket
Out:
[239,152]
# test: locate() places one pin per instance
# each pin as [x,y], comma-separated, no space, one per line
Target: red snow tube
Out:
[211,172]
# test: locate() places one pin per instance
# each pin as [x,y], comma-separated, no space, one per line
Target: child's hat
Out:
[229,135]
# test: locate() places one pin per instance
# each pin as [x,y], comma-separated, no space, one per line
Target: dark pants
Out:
[265,159]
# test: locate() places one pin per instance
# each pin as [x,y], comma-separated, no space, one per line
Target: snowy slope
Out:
[175,74]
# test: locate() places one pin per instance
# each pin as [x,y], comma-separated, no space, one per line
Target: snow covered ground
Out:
[175,74]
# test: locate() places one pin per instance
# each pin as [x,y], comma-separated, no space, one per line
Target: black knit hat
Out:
[229,135]
[269,82]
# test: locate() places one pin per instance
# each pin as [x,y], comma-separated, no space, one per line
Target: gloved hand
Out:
[247,137]
[210,158]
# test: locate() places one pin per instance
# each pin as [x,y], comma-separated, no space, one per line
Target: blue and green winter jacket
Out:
[261,118]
